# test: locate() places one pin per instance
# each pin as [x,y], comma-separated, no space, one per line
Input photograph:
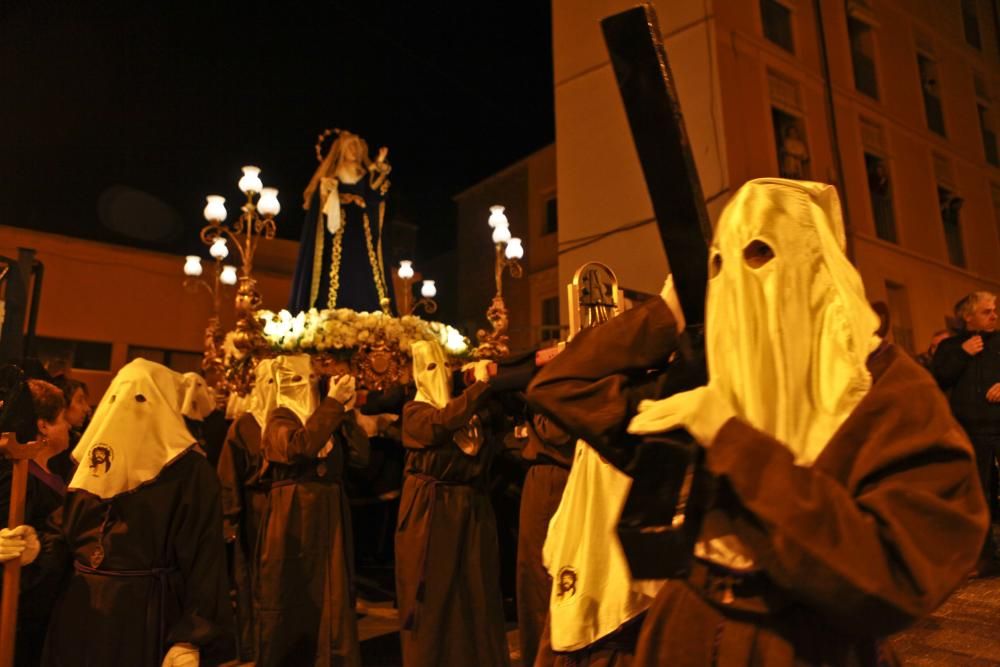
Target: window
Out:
[60,354]
[879,179]
[551,217]
[862,40]
[777,20]
[931,88]
[880,193]
[178,360]
[899,315]
[551,329]
[970,20]
[951,206]
[790,140]
[989,136]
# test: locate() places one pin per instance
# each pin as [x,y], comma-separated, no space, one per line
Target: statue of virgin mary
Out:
[340,256]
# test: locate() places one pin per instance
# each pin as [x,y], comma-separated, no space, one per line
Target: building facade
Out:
[527,190]
[102,305]
[890,100]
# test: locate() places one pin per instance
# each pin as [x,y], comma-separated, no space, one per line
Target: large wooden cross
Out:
[20,455]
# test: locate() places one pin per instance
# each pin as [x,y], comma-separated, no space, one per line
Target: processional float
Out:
[373,343]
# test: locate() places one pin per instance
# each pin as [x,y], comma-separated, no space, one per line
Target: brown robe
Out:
[447,556]
[303,600]
[141,571]
[244,498]
[877,533]
[549,450]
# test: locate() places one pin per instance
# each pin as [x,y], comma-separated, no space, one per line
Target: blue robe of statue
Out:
[361,262]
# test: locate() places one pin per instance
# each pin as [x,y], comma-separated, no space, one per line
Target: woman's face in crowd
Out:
[56,432]
[78,409]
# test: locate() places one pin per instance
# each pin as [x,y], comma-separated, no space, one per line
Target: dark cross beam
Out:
[654,116]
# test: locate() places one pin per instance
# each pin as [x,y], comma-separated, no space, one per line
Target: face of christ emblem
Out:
[99,459]
[566,583]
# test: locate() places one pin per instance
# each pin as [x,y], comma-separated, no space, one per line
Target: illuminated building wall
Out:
[102,304]
[913,86]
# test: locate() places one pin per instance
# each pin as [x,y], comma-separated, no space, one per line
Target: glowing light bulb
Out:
[215,209]
[501,234]
[497,216]
[192,265]
[250,181]
[405,269]
[218,249]
[228,275]
[514,249]
[268,204]
[428,290]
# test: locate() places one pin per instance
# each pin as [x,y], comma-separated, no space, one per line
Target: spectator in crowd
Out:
[968,366]
[34,410]
[926,357]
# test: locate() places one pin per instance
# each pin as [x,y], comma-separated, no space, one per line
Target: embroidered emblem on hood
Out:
[566,583]
[99,459]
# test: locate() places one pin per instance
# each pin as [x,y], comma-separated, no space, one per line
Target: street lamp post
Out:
[509,250]
[428,290]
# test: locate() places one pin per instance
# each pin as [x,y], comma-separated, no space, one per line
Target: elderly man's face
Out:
[983,317]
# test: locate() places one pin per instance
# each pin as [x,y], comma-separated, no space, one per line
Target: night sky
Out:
[117,118]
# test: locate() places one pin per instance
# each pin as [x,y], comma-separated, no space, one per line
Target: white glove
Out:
[21,542]
[669,294]
[182,655]
[342,389]
[481,370]
[701,411]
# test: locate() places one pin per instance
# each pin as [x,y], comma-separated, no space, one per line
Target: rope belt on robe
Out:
[410,622]
[162,577]
[283,475]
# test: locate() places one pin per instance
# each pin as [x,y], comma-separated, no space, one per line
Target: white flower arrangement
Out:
[341,330]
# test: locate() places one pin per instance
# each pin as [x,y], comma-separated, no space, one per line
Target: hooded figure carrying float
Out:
[848,505]
[303,595]
[447,555]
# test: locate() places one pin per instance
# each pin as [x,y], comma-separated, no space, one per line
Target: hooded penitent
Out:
[297,385]
[136,431]
[431,374]
[788,326]
[197,401]
[264,396]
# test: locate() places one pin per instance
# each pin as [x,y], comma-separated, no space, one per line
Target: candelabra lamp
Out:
[255,221]
[428,290]
[495,344]
[223,275]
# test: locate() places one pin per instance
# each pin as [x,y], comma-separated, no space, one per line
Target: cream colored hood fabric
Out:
[787,342]
[431,374]
[198,401]
[264,395]
[592,589]
[237,406]
[297,385]
[136,431]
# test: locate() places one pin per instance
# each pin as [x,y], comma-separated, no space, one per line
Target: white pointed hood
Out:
[198,400]
[136,431]
[431,373]
[297,385]
[787,342]
[264,395]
